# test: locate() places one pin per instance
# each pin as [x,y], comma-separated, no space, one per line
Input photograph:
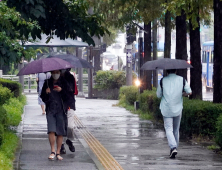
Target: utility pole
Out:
[130,37]
[141,58]
[155,75]
[80,76]
[90,76]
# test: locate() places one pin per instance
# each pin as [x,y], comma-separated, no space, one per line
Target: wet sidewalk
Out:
[136,144]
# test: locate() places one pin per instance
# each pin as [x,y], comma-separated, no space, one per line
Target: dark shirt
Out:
[52,98]
[71,89]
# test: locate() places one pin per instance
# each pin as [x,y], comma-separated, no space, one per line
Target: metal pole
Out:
[80,77]
[21,78]
[29,83]
[129,65]
[141,59]
[90,83]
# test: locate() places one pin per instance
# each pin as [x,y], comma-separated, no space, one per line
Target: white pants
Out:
[71,125]
[172,126]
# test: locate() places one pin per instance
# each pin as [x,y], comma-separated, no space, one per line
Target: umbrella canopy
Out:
[75,61]
[56,42]
[44,65]
[166,64]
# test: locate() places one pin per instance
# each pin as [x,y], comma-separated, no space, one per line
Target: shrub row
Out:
[199,117]
[110,79]
[11,109]
[15,87]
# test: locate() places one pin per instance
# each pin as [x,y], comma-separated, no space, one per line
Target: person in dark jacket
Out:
[55,94]
[70,113]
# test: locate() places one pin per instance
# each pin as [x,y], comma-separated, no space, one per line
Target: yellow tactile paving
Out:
[98,149]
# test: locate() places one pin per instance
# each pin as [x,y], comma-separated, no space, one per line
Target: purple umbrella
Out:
[44,65]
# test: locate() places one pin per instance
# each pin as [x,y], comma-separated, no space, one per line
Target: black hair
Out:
[171,71]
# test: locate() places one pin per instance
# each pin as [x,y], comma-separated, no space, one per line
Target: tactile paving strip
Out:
[98,149]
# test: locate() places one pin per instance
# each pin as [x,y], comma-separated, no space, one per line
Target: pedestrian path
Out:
[133,143]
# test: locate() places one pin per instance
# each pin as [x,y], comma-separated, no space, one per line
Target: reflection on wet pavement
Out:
[139,144]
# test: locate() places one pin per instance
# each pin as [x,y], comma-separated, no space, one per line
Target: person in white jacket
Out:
[171,90]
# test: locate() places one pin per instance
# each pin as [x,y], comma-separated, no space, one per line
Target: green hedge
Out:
[5,94]
[199,117]
[110,79]
[15,87]
[14,109]
[128,94]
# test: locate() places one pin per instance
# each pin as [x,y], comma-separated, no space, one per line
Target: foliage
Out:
[12,28]
[7,150]
[62,18]
[5,94]
[219,131]
[129,94]
[14,109]
[193,9]
[198,117]
[15,87]
[109,79]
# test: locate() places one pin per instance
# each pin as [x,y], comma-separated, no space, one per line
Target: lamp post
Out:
[141,59]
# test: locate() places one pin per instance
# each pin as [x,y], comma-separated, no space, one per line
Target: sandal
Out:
[59,157]
[52,156]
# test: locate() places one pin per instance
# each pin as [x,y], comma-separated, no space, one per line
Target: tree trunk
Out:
[195,58]
[155,75]
[167,43]
[181,41]
[146,84]
[217,75]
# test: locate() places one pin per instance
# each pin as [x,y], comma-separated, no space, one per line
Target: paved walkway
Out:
[136,144]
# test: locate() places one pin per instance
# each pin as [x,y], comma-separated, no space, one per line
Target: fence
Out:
[30,84]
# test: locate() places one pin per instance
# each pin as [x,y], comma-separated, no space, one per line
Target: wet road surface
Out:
[136,144]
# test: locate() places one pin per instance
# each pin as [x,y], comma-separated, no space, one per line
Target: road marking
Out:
[106,159]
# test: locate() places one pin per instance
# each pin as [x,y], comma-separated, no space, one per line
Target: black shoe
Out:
[70,144]
[173,152]
[63,149]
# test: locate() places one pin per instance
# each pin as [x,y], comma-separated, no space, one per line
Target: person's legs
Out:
[168,125]
[70,130]
[59,144]
[43,109]
[176,127]
[51,137]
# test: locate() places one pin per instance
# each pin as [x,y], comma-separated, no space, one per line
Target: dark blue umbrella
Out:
[75,61]
[44,65]
[166,64]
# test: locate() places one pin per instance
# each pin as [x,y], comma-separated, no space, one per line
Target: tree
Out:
[62,18]
[11,31]
[217,77]
[194,11]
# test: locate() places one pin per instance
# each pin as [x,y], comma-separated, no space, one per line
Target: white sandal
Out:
[52,156]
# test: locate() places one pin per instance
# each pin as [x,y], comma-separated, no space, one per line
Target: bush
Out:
[111,79]
[14,109]
[5,94]
[7,150]
[199,117]
[129,94]
[150,103]
[15,87]
[218,137]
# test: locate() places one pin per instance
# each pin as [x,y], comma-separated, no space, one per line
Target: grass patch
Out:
[7,150]
[142,115]
[14,109]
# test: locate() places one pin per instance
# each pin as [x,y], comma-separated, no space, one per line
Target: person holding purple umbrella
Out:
[55,95]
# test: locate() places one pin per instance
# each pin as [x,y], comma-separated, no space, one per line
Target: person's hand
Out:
[57,88]
[37,79]
[186,94]
[48,91]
